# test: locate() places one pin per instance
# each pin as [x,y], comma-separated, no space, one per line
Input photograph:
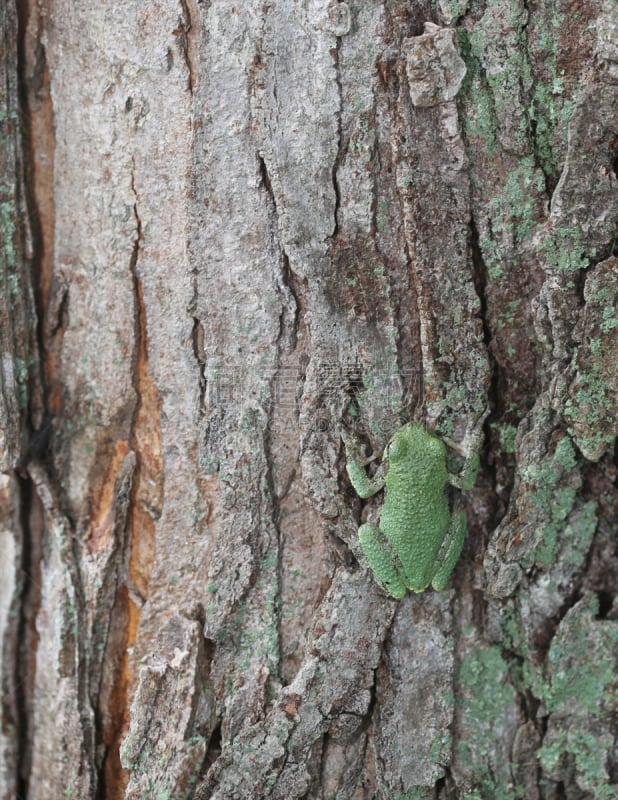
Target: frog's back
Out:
[415,514]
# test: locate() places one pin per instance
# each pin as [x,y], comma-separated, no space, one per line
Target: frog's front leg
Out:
[356,461]
[466,479]
[469,448]
[385,564]
[449,552]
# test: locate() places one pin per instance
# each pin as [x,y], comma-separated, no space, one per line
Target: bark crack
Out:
[289,318]
[35,180]
[339,155]
[186,33]
[27,637]
[141,507]
[139,350]
[197,339]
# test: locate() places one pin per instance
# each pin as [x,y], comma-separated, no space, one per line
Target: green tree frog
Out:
[418,540]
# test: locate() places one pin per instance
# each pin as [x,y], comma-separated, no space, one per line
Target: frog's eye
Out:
[397,448]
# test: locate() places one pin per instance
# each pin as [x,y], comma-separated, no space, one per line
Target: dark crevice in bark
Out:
[62,312]
[373,692]
[550,180]
[475,543]
[402,297]
[276,523]
[375,174]
[197,339]
[27,637]
[531,706]
[38,141]
[290,311]
[31,78]
[139,348]
[109,634]
[339,154]
[183,32]
[38,447]
[606,604]
[319,777]
[266,180]
[479,276]
[111,776]
[498,377]
[292,283]
[213,750]
[440,786]
[579,282]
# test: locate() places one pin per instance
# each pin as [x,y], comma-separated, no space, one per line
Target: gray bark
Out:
[229,229]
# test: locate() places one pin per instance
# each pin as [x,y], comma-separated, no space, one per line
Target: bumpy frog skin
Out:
[418,541]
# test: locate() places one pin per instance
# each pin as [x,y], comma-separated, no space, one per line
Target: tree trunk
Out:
[231,230]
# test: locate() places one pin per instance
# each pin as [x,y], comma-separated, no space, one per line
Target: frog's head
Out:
[398,446]
[403,441]
[413,440]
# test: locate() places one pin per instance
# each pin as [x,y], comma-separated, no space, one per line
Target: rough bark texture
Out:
[227,230]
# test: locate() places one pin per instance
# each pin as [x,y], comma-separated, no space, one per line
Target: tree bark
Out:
[228,230]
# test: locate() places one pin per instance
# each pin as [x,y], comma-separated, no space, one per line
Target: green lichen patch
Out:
[551,102]
[415,793]
[564,525]
[580,695]
[487,710]
[564,251]
[480,123]
[591,408]
[7,226]
[513,212]
[499,44]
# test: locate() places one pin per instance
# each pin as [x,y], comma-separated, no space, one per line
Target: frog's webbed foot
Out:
[469,450]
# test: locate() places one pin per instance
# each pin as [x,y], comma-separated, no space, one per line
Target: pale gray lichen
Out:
[452,10]
[338,18]
[607,40]
[434,67]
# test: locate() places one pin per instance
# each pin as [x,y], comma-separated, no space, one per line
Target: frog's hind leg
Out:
[382,560]
[450,551]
